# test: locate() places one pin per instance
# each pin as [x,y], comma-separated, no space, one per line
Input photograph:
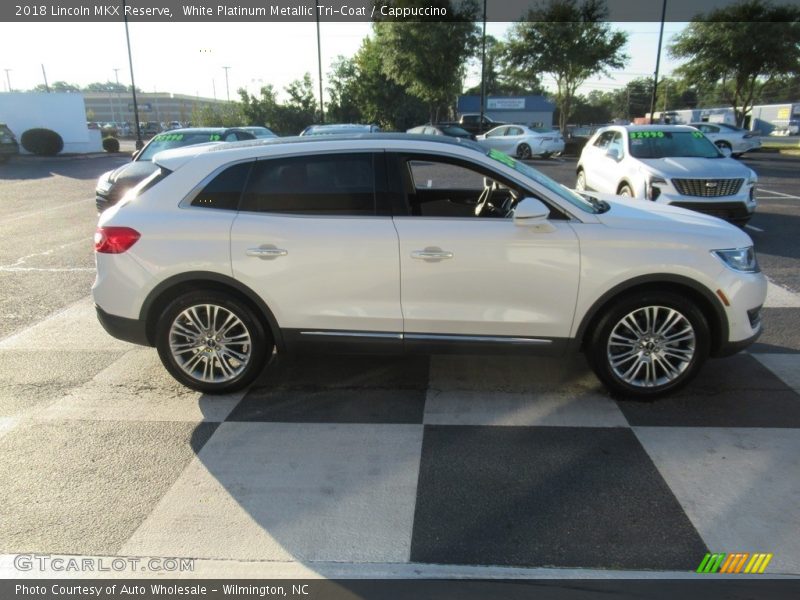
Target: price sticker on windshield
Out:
[641,135]
[169,137]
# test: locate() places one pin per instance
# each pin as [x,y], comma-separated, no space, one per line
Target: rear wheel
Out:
[212,342]
[524,151]
[648,345]
[625,191]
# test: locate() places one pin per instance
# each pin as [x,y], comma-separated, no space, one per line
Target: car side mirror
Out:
[613,154]
[531,212]
[726,152]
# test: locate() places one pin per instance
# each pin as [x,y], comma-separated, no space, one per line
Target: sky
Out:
[188,58]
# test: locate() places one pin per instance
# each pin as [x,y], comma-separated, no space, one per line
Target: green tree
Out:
[568,41]
[58,86]
[342,92]
[108,86]
[228,114]
[500,79]
[429,58]
[262,109]
[742,47]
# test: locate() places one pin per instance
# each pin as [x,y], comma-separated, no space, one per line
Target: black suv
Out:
[112,185]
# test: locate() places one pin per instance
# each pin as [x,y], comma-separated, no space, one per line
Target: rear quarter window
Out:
[225,190]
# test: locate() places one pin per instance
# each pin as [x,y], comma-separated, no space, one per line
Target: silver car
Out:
[668,164]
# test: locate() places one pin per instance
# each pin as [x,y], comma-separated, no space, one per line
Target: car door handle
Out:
[431,254]
[266,252]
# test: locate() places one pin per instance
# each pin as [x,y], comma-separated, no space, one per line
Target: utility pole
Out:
[227,91]
[46,87]
[658,61]
[8,79]
[139,142]
[483,70]
[319,64]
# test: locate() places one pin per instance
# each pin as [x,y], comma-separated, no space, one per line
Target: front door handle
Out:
[431,254]
[266,252]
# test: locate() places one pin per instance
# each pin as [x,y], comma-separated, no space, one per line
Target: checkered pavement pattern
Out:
[443,460]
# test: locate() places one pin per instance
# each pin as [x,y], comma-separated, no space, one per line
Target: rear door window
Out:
[333,184]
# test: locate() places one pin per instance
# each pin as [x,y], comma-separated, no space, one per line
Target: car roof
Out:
[654,127]
[248,149]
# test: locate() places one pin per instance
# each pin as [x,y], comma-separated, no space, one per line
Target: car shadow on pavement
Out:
[77,167]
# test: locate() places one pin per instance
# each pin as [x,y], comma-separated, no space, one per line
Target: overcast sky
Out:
[187,58]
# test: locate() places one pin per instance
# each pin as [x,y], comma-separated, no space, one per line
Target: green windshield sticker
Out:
[640,135]
[169,137]
[502,157]
[215,137]
[697,134]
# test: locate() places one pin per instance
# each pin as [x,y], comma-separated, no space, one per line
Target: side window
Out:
[711,129]
[332,184]
[514,131]
[604,140]
[444,189]
[497,132]
[225,190]
[616,144]
[230,137]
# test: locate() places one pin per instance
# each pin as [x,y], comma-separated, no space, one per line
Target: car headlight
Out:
[653,189]
[739,259]
[103,184]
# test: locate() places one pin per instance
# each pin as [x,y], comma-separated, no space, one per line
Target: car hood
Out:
[697,168]
[645,216]
[131,173]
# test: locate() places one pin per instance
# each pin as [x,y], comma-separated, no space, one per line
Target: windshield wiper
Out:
[601,205]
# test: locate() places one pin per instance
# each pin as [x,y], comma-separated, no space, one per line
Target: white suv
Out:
[668,164]
[400,243]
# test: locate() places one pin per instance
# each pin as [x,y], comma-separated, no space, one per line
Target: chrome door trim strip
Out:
[430,337]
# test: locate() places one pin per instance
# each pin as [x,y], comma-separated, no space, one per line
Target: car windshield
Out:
[455,132]
[664,144]
[166,141]
[562,192]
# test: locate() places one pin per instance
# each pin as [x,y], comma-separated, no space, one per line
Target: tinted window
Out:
[225,189]
[166,141]
[514,131]
[497,132]
[604,139]
[616,144]
[336,184]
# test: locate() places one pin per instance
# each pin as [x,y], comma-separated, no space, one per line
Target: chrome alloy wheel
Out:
[651,346]
[210,343]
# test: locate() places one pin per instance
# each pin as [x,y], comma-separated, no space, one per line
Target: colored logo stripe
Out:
[734,563]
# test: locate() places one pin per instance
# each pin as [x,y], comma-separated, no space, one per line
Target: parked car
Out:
[523,142]
[729,137]
[668,164]
[575,138]
[396,243]
[785,127]
[258,132]
[448,130]
[473,123]
[8,143]
[339,128]
[112,185]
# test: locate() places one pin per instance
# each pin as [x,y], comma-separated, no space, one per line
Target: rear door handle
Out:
[431,254]
[266,252]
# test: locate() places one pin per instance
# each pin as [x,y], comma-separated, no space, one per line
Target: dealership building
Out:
[534,111]
[104,107]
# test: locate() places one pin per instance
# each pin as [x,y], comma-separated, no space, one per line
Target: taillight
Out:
[114,240]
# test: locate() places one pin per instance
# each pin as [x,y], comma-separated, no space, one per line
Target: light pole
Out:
[44,74]
[8,79]
[483,70]
[658,61]
[116,92]
[139,142]
[227,91]
[319,64]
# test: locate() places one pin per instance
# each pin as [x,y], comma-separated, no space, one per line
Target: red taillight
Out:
[114,240]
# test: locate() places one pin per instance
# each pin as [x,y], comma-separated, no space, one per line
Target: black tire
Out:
[723,144]
[625,190]
[524,152]
[608,358]
[580,181]
[249,340]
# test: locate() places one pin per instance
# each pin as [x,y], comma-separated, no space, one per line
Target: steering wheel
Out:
[489,186]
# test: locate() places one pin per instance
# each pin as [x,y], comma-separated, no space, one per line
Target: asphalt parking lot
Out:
[411,466]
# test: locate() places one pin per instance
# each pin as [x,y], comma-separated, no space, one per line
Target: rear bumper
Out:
[127,330]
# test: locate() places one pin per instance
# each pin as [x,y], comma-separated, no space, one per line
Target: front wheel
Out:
[625,191]
[647,346]
[212,342]
[580,182]
[524,151]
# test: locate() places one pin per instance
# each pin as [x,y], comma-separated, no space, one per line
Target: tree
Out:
[570,42]
[108,86]
[742,47]
[284,119]
[342,84]
[58,86]
[429,58]
[500,80]
[227,114]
